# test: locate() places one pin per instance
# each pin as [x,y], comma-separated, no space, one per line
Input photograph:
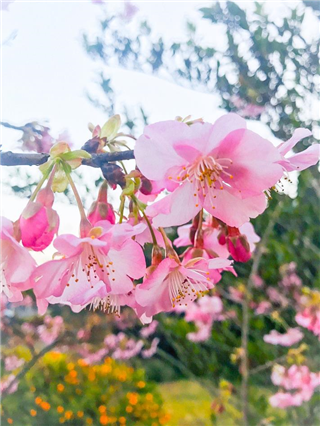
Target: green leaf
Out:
[72,155]
[111,127]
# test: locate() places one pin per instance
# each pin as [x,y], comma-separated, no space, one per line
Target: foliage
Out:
[64,390]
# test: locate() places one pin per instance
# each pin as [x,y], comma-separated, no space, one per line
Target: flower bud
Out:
[39,222]
[238,245]
[101,209]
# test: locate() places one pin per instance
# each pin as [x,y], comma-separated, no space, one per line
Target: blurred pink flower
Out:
[223,168]
[262,307]
[292,336]
[51,329]
[148,353]
[295,378]
[6,382]
[13,362]
[149,330]
[310,318]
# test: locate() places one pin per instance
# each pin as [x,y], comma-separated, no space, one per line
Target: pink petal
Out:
[68,244]
[129,260]
[298,134]
[302,160]
[183,239]
[255,168]
[153,294]
[223,126]
[6,226]
[154,151]
[181,205]
[219,263]
[51,277]
[194,142]
[235,211]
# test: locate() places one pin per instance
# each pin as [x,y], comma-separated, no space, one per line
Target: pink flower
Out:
[101,209]
[17,264]
[148,353]
[202,334]
[276,297]
[292,336]
[171,283]
[97,269]
[36,138]
[51,329]
[6,383]
[310,318]
[39,222]
[262,307]
[301,160]
[148,331]
[223,168]
[13,362]
[205,310]
[245,109]
[285,400]
[295,378]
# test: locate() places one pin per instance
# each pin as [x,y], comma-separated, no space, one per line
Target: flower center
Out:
[183,289]
[207,174]
[109,304]
[92,266]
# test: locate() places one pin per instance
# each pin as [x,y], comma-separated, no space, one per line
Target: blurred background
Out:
[65,64]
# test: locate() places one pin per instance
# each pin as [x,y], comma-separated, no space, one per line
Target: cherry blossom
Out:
[223,168]
[172,283]
[97,269]
[292,336]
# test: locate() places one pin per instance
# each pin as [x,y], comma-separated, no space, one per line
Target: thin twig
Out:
[267,365]
[29,365]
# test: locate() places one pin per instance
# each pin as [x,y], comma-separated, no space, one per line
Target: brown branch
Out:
[246,316]
[28,366]
[267,365]
[29,159]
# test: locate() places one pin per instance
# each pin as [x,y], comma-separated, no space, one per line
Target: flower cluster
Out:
[297,379]
[209,178]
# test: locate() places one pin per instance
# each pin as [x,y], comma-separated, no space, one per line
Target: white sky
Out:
[46,72]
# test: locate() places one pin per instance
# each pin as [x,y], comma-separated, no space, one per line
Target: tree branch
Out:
[29,365]
[29,159]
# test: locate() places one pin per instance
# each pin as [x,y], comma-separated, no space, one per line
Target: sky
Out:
[45,73]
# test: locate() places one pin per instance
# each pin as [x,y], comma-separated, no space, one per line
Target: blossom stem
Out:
[77,197]
[121,209]
[170,252]
[38,187]
[154,240]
